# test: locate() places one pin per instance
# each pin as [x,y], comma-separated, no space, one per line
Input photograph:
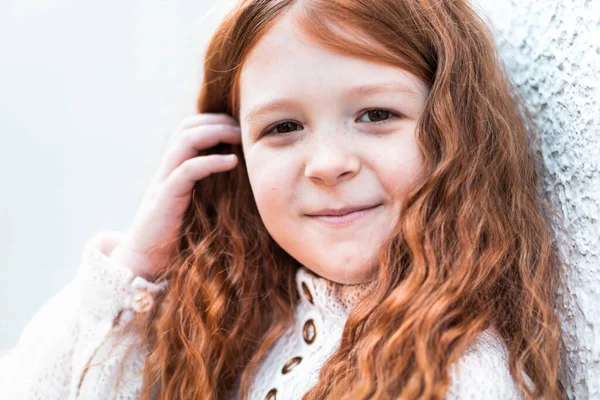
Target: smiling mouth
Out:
[344,219]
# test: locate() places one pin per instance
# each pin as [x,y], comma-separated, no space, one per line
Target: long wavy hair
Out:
[473,247]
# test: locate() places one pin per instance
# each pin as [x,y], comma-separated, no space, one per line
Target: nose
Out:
[331,163]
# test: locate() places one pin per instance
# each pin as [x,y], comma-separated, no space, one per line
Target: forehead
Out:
[286,62]
[283,50]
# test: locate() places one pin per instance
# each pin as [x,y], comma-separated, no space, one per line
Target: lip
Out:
[342,216]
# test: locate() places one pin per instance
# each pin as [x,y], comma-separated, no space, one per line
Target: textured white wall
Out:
[551,49]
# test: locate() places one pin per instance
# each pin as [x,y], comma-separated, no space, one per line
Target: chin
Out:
[347,274]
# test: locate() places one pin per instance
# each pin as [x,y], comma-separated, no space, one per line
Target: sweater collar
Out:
[329,297]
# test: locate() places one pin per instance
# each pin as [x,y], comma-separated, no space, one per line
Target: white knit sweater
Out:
[63,351]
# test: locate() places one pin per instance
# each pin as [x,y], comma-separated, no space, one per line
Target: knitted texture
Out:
[64,351]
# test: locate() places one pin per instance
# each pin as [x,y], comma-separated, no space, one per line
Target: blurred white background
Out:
[90,94]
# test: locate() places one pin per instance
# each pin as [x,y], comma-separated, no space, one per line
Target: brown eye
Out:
[282,129]
[377,115]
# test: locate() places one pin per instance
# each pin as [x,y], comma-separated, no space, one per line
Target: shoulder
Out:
[483,372]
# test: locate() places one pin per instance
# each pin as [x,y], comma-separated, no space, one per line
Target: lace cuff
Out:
[108,287]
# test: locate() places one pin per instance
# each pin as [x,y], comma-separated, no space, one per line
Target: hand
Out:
[154,232]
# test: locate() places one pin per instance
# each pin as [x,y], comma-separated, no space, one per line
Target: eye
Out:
[282,129]
[379,116]
[285,128]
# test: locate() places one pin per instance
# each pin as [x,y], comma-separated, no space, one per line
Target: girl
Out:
[352,214]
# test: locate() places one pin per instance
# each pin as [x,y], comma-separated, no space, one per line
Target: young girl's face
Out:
[322,131]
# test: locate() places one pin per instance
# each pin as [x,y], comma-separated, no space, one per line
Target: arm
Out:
[70,329]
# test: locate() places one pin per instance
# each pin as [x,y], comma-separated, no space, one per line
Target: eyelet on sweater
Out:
[272,395]
[291,364]
[309,331]
[142,300]
[307,293]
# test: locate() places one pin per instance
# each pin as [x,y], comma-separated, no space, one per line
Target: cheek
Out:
[272,181]
[400,164]
[270,178]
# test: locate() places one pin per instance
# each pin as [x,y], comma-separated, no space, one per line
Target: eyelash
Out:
[393,115]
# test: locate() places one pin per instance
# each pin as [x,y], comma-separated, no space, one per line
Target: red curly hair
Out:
[473,248]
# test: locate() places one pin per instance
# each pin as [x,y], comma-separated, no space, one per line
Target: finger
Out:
[196,120]
[182,180]
[206,118]
[191,142]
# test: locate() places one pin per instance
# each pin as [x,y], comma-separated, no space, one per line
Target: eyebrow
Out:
[355,91]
